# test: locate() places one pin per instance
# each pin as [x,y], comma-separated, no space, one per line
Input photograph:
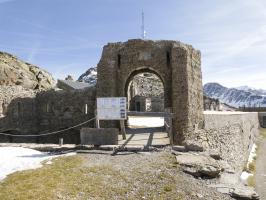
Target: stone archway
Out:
[177,64]
[146,88]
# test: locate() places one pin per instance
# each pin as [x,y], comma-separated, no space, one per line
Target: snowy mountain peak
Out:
[236,97]
[90,76]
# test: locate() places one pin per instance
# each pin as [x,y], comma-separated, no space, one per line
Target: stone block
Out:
[99,136]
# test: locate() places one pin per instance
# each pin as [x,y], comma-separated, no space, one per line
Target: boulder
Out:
[244,193]
[199,165]
[237,191]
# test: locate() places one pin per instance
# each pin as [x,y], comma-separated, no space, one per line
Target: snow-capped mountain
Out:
[90,76]
[252,90]
[236,97]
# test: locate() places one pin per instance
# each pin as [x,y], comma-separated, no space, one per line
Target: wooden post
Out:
[97,121]
[171,130]
[61,141]
[123,129]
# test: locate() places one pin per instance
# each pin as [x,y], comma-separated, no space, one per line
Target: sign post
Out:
[112,108]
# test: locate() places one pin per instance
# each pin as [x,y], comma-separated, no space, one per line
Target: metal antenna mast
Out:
[143,32]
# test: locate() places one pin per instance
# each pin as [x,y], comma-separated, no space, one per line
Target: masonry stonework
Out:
[232,135]
[48,111]
[178,66]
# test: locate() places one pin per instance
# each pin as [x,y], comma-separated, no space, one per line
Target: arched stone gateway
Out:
[179,67]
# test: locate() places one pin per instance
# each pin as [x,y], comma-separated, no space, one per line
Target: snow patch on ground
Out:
[244,176]
[18,158]
[146,121]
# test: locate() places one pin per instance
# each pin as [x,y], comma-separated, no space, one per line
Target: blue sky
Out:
[66,36]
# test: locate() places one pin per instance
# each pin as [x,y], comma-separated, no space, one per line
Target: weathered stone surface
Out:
[237,191]
[232,134]
[46,111]
[191,145]
[214,154]
[179,67]
[99,136]
[244,193]
[179,148]
[14,71]
[199,165]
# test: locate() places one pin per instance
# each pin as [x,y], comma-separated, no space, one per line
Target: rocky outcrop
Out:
[14,71]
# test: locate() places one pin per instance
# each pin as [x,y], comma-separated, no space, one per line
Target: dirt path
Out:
[261,169]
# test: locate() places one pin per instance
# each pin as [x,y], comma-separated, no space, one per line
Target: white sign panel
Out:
[113,108]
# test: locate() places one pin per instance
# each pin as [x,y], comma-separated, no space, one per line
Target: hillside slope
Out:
[14,71]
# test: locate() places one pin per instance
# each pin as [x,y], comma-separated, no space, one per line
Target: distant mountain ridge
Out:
[236,97]
[252,90]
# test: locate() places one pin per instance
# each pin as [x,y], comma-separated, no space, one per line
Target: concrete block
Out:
[99,136]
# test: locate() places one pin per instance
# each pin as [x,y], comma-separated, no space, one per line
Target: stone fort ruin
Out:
[177,65]
[227,136]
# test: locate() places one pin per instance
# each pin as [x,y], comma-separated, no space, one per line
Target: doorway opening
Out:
[145,94]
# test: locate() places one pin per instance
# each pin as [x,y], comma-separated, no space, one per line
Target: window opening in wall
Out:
[19,109]
[119,60]
[168,61]
[86,109]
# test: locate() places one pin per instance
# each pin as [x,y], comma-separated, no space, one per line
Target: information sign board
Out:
[111,108]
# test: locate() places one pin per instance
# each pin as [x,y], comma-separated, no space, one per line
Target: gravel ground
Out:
[150,175]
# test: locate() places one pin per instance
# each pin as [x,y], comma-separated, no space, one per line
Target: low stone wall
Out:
[232,135]
[99,136]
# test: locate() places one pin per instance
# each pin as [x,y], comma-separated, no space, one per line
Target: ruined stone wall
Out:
[31,113]
[176,64]
[17,109]
[232,135]
[62,109]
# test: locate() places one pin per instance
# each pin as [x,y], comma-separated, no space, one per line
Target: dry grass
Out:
[252,167]
[251,181]
[263,132]
[98,176]
[69,178]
